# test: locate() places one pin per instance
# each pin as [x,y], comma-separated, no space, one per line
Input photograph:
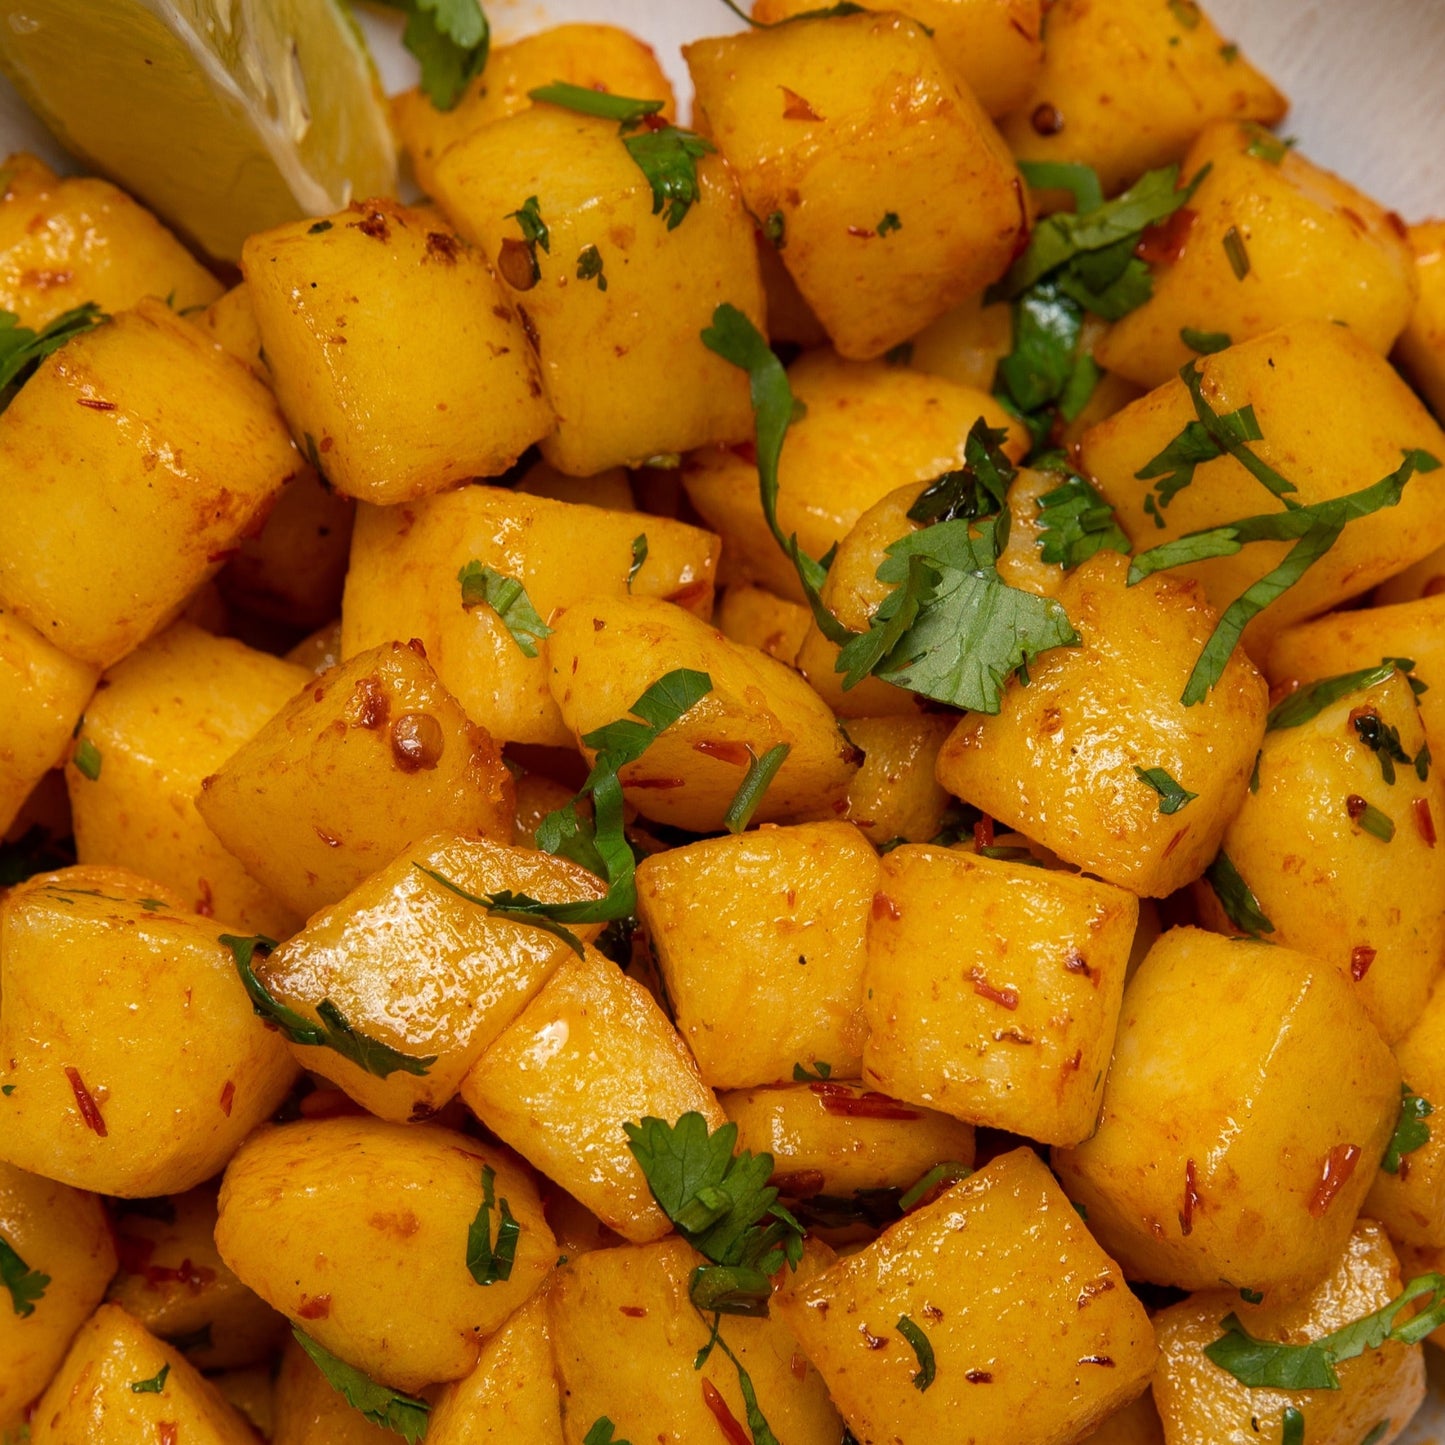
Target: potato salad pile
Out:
[756,782]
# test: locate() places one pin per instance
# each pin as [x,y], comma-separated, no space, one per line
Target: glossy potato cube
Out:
[1136,1424]
[1184,1187]
[373,756]
[1034,1333]
[897,198]
[309,1411]
[230,322]
[894,793]
[168,453]
[760,939]
[591,1052]
[758,618]
[1421,349]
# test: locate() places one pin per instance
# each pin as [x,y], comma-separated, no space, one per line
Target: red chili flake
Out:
[195,1277]
[799,1366]
[690,594]
[1077,963]
[656,782]
[983,833]
[206,903]
[417,646]
[372,224]
[134,1252]
[727,1421]
[95,405]
[441,247]
[1103,1360]
[804,1184]
[1192,1201]
[89,1109]
[317,1308]
[1047,119]
[40,280]
[724,751]
[746,451]
[1164,242]
[861,232]
[1355,806]
[885,907]
[1361,957]
[795,107]
[1175,841]
[167,1432]
[1338,1166]
[1092,1291]
[870,1340]
[841,1100]
[1424,820]
[228,1097]
[1073,1065]
[634,1312]
[1006,997]
[1010,1036]
[978,1377]
[368,706]
[330,839]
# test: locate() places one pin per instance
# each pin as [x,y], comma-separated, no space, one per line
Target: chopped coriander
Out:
[1252,1296]
[1082,182]
[890,222]
[758,1426]
[1186,12]
[1238,256]
[922,1348]
[1229,53]
[600,1433]
[507,597]
[22,349]
[1240,905]
[490,1263]
[154,1385]
[1384,741]
[1042,360]
[534,234]
[775,229]
[1254,772]
[1206,343]
[589,266]
[976,489]
[639,556]
[1264,146]
[944,1174]
[314,229]
[1076,523]
[1172,797]
[1411,1130]
[7,1089]
[451,39]
[1378,824]
[1307,703]
[26,1286]
[332,1031]
[1377,1433]
[87,759]
[1292,1427]
[405,1414]
[668,158]
[515,907]
[623,109]
[760,774]
[819,1072]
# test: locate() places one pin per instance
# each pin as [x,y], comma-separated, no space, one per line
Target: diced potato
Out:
[340,305]
[757,618]
[308,1411]
[512,1395]
[1021,563]
[426,972]
[230,321]
[638,1370]
[1421,348]
[606,651]
[64,242]
[63,1236]
[1411,1202]
[1126,85]
[1136,1424]
[791,320]
[171,713]
[167,453]
[1422,579]
[175,1283]
[319,652]
[1184,1187]
[834,1138]
[610,490]
[993,989]
[252,1392]
[894,794]
[45,692]
[1335,419]
[1060,760]
[370,1260]
[760,938]
[1202,1404]
[966,344]
[1034,1334]
[537,796]
[93,1398]
[895,196]
[992,46]
[1317,248]
[621,347]
[1315,862]
[403,584]
[376,755]
[869,429]
[136,1064]
[591,1052]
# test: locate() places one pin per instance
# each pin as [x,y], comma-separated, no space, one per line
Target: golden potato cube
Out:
[1202,1404]
[757,618]
[136,1062]
[373,756]
[639,1369]
[1421,348]
[624,363]
[175,1283]
[760,938]
[1181,1184]
[174,711]
[1335,418]
[167,452]
[1060,761]
[992,46]
[966,344]
[894,794]
[93,1398]
[993,989]
[309,1411]
[894,196]
[1126,85]
[598,57]
[1425,578]
[611,490]
[319,652]
[403,584]
[1316,247]
[836,1138]
[512,1395]
[424,971]
[45,693]
[338,305]
[370,1260]
[230,321]
[1136,1424]
[252,1391]
[591,1052]
[606,651]
[1344,641]
[869,429]
[66,1251]
[1034,1334]
[1342,863]
[64,242]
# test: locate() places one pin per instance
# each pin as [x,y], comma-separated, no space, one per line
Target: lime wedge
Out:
[225,116]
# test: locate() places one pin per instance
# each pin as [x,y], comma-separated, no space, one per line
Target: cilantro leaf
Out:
[1384,741]
[922,1348]
[1206,343]
[27,1286]
[451,39]
[534,234]
[600,1433]
[405,1414]
[1377,1434]
[818,1073]
[1240,905]
[515,907]
[1082,182]
[1233,431]
[508,599]
[1077,523]
[622,108]
[154,1385]
[758,1426]
[22,349]
[668,158]
[1292,1427]
[589,266]
[639,556]
[489,1263]
[1172,797]
[760,774]
[333,1031]
[1174,467]
[976,489]
[87,759]
[949,1172]
[1309,702]
[1411,1130]
[1236,254]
